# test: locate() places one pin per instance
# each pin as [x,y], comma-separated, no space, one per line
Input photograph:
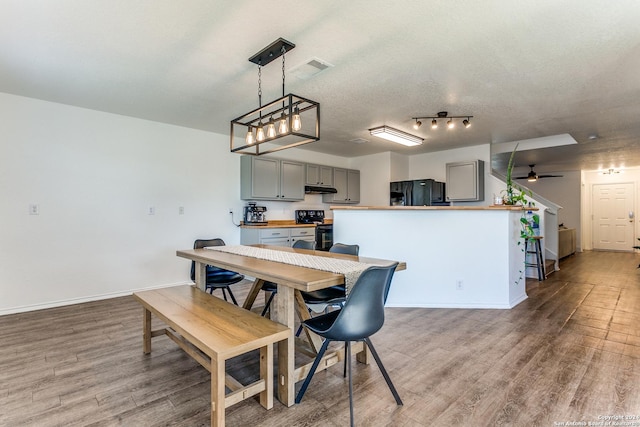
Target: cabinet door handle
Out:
[276,234]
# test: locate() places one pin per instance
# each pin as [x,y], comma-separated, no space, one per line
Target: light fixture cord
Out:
[283,54]
[260,84]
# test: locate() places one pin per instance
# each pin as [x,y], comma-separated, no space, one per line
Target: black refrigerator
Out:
[418,192]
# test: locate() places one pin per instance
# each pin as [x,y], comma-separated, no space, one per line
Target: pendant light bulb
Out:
[450,124]
[297,123]
[271,129]
[283,126]
[250,139]
[434,124]
[260,133]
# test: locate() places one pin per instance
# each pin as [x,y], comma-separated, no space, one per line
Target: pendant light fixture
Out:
[443,115]
[298,118]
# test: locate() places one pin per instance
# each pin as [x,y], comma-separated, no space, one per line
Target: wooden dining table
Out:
[291,280]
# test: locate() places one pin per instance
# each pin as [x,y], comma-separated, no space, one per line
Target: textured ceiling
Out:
[522,69]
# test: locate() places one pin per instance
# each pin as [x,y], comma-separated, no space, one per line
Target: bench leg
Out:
[146,331]
[217,393]
[266,373]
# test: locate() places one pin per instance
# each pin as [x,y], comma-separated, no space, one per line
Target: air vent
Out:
[359,141]
[310,68]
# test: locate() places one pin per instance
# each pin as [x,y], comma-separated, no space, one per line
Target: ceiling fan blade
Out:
[540,176]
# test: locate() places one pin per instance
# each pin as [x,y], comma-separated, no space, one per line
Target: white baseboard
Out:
[61,303]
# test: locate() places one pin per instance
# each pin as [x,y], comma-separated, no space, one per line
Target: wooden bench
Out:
[211,331]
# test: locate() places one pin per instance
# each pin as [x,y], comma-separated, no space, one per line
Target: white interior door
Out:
[613,217]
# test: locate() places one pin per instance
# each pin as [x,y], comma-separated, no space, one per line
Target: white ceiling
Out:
[522,69]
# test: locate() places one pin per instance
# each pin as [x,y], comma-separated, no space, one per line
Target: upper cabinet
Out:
[318,175]
[465,181]
[271,179]
[347,183]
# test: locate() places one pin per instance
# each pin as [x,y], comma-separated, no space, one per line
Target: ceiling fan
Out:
[532,176]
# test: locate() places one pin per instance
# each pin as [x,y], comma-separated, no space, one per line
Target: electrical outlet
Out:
[152,210]
[231,211]
[34,209]
[180,210]
[459,285]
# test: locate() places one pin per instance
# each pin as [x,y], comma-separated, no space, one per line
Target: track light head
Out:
[434,124]
[450,124]
[417,124]
[466,123]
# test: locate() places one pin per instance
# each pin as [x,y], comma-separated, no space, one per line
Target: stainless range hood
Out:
[313,189]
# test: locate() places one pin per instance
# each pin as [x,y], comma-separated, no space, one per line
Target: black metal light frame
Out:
[286,104]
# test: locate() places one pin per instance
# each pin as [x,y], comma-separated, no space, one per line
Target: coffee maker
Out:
[255,215]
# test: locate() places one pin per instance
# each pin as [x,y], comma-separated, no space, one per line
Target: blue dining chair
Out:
[217,278]
[361,316]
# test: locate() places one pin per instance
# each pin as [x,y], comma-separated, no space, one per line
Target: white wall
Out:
[375,176]
[94,176]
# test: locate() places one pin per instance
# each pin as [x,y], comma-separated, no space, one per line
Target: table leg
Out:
[146,331]
[283,312]
[303,313]
[201,275]
[253,293]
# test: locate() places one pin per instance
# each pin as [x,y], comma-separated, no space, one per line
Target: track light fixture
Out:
[443,115]
[290,112]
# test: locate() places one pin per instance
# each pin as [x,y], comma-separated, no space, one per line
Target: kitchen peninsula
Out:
[457,256]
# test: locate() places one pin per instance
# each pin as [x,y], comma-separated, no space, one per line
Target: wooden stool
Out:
[537,251]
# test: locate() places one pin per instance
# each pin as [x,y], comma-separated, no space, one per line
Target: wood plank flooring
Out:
[569,353]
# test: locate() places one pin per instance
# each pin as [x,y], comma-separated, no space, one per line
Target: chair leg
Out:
[314,366]
[268,304]
[384,371]
[233,298]
[224,294]
[348,359]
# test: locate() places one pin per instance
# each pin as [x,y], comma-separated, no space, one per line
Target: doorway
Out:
[613,217]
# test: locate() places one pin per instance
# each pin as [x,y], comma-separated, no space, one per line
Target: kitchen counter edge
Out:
[434,208]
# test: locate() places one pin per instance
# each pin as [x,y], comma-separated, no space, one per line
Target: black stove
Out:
[309,217]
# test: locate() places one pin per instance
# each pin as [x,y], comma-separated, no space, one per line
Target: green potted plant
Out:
[514,194]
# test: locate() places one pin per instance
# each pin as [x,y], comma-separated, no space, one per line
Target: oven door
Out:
[324,237]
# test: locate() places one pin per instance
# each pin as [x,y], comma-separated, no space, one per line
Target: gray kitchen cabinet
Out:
[347,184]
[276,236]
[465,181]
[271,179]
[319,175]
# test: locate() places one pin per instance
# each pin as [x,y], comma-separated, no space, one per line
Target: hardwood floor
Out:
[571,352]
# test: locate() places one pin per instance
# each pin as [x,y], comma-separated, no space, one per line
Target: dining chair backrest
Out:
[341,248]
[203,243]
[304,244]
[363,311]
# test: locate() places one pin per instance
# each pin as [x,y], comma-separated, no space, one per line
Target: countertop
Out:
[434,208]
[284,224]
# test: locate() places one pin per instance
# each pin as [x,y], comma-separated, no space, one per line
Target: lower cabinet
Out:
[276,236]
